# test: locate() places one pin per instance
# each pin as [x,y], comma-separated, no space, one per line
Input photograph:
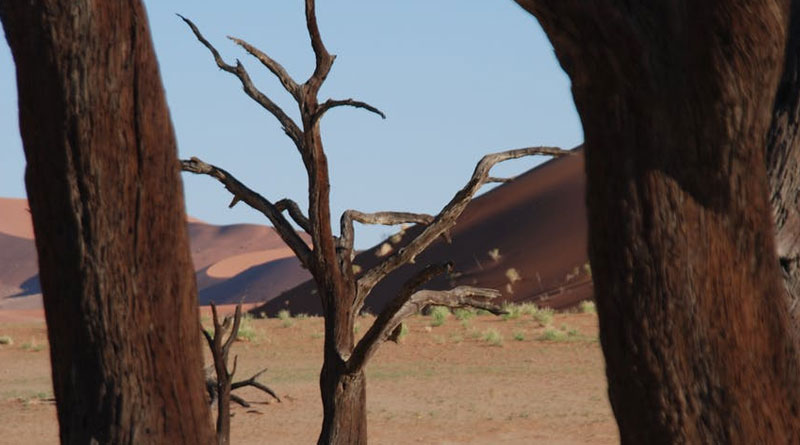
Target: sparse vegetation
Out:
[494,254]
[403,332]
[512,311]
[551,334]
[286,318]
[519,335]
[247,332]
[513,275]
[32,346]
[543,316]
[493,337]
[6,340]
[528,309]
[588,307]
[439,315]
[463,314]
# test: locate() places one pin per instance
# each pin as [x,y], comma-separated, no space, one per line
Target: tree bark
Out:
[344,403]
[675,103]
[110,225]
[783,168]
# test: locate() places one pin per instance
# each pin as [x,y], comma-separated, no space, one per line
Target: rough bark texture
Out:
[676,99]
[108,214]
[783,168]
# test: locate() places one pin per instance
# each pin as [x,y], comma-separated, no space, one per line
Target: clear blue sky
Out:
[456,79]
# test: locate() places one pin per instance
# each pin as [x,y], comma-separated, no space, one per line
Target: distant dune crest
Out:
[526,238]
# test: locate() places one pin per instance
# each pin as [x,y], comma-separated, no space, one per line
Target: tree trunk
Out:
[344,403]
[783,168]
[675,104]
[110,225]
[344,393]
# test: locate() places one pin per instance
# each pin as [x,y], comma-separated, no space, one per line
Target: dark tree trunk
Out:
[783,168]
[344,403]
[110,225]
[676,100]
[344,392]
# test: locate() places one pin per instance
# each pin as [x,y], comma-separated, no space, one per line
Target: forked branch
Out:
[410,301]
[446,218]
[324,60]
[257,202]
[383,218]
[272,65]
[220,346]
[289,126]
[295,212]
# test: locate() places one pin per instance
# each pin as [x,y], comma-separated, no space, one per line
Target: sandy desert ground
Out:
[440,385]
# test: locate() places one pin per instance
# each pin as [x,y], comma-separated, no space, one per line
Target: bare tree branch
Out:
[331,103]
[446,218]
[220,347]
[256,201]
[294,212]
[276,68]
[289,127]
[384,218]
[500,180]
[407,304]
[253,381]
[324,60]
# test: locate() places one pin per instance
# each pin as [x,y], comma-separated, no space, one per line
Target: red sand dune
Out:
[242,262]
[526,238]
[15,218]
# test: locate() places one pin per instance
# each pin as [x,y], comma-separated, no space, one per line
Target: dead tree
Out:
[106,199]
[219,389]
[329,258]
[676,99]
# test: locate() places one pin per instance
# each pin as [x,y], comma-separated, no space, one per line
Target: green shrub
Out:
[247,332]
[544,316]
[493,337]
[32,345]
[551,334]
[528,309]
[588,307]
[519,335]
[512,311]
[286,318]
[403,331]
[439,315]
[6,340]
[463,314]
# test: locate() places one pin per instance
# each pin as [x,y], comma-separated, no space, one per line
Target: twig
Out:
[331,103]
[289,126]
[276,68]
[257,202]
